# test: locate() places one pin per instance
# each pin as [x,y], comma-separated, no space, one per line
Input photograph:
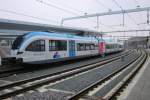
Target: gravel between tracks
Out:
[59,95]
[113,83]
[48,95]
[80,82]
[48,70]
[74,85]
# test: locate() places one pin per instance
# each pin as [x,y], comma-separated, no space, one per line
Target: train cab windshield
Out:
[16,44]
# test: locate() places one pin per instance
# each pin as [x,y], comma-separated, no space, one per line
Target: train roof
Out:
[14,27]
[58,35]
[110,40]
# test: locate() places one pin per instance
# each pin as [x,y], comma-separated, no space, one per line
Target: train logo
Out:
[56,55]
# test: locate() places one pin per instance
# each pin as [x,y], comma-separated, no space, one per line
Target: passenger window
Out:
[80,46]
[120,46]
[38,45]
[57,45]
[52,45]
[87,46]
[108,46]
[96,47]
[92,47]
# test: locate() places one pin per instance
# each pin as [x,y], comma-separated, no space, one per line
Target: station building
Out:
[138,42]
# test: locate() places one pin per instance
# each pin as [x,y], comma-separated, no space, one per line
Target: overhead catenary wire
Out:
[137,3]
[109,9]
[138,6]
[26,15]
[56,7]
[67,6]
[117,4]
[127,14]
[123,9]
[140,15]
[99,2]
[64,10]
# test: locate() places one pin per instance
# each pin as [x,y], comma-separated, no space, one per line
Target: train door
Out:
[72,52]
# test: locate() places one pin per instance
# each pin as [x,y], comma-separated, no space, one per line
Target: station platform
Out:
[4,52]
[139,87]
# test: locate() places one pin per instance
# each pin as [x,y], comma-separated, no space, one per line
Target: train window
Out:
[52,45]
[62,45]
[92,47]
[80,46]
[87,46]
[96,47]
[38,45]
[112,46]
[120,46]
[16,44]
[108,46]
[57,45]
[115,46]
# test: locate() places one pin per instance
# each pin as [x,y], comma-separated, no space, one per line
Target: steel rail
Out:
[128,78]
[55,73]
[51,79]
[4,70]
[85,90]
[108,88]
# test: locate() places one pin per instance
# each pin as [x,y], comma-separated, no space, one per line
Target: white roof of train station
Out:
[14,27]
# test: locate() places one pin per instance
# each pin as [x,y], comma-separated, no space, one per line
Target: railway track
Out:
[6,71]
[9,70]
[33,83]
[126,76]
[108,87]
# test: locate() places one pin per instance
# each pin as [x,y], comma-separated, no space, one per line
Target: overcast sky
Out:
[52,12]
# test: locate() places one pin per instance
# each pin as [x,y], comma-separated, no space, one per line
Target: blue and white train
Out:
[47,47]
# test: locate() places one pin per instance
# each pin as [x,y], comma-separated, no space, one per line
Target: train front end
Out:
[14,57]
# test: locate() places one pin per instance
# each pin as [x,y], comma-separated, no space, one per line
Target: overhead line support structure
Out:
[107,13]
[148,17]
[117,31]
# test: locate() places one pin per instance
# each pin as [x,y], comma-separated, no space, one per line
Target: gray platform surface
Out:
[4,51]
[141,89]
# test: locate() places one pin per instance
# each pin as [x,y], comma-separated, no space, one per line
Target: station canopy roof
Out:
[13,26]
